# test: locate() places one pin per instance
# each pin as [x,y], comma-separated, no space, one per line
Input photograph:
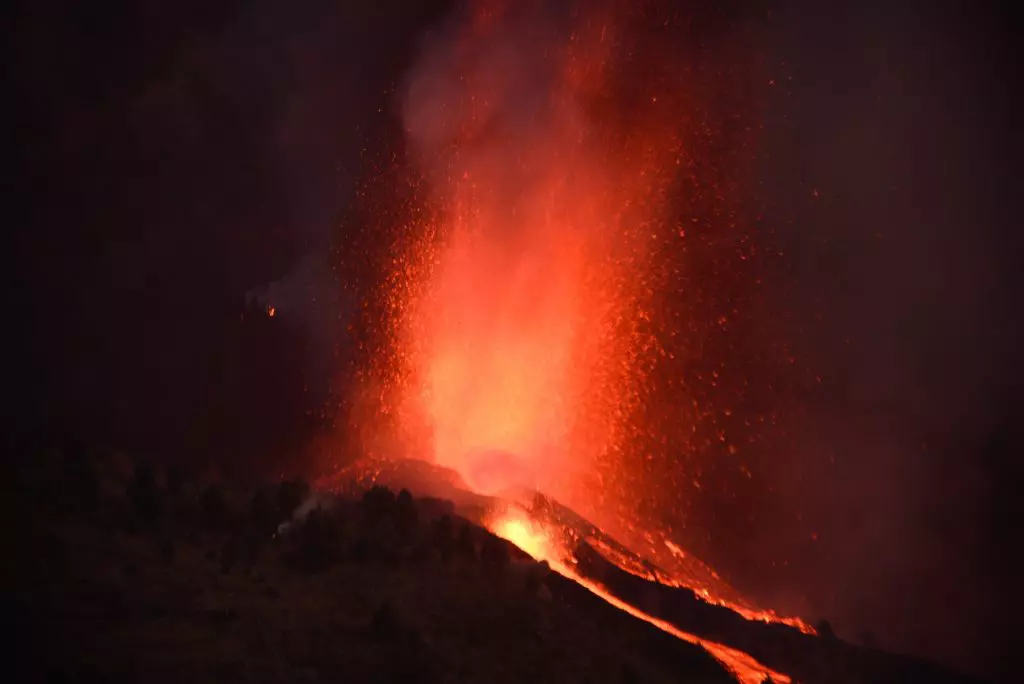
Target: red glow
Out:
[542,544]
[521,297]
[519,340]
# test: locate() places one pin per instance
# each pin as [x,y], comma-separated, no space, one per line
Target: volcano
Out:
[672,590]
[657,559]
[119,574]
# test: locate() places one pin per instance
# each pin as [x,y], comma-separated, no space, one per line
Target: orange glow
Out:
[541,545]
[520,297]
[680,570]
[522,533]
[271,311]
[746,669]
[519,301]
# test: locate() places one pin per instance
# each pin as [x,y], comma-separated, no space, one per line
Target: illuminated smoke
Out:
[518,342]
[563,265]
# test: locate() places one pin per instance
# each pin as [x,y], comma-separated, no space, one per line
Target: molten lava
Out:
[523,533]
[542,545]
[517,347]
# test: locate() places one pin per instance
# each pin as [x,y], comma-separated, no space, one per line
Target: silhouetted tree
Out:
[214,505]
[465,545]
[406,515]
[494,552]
[318,541]
[143,492]
[825,630]
[443,536]
[378,503]
[386,624]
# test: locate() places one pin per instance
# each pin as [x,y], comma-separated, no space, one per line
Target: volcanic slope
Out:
[751,641]
[115,572]
[132,574]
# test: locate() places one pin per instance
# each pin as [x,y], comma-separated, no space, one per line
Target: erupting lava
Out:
[522,532]
[516,339]
[523,293]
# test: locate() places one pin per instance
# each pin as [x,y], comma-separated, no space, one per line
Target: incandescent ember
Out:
[556,159]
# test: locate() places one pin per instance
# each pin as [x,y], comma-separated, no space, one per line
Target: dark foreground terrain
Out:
[804,657]
[116,572]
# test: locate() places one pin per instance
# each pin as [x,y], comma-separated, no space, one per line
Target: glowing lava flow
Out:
[536,542]
[681,570]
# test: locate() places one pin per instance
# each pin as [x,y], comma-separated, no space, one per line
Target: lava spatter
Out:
[563,273]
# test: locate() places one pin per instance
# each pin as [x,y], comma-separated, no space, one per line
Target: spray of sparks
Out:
[520,341]
[532,285]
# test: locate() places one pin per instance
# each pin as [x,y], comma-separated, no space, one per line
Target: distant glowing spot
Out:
[271,311]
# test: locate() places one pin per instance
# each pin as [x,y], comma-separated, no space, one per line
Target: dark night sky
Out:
[893,149]
[169,158]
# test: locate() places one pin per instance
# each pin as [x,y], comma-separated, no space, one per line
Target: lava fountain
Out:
[518,344]
[554,151]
